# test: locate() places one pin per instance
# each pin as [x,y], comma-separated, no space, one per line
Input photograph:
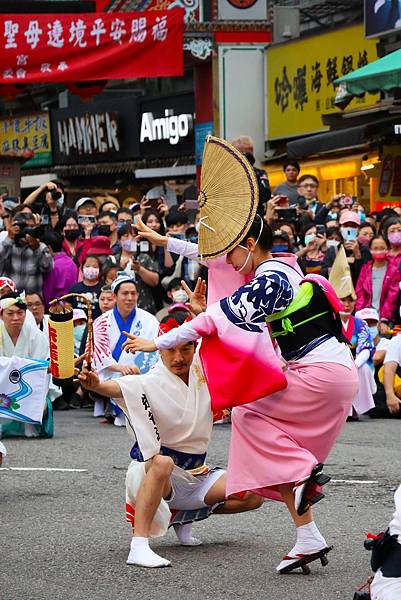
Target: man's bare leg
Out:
[155,486]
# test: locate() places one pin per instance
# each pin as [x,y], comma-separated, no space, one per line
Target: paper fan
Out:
[228,198]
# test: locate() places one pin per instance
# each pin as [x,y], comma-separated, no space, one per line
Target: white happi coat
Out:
[31,343]
[106,334]
[162,410]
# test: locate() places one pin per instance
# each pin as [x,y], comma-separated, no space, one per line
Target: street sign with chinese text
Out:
[29,132]
[389,189]
[300,79]
[93,46]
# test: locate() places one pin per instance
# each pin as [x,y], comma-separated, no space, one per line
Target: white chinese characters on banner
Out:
[160,30]
[117,30]
[77,33]
[33,34]
[138,30]
[10,32]
[98,29]
[55,34]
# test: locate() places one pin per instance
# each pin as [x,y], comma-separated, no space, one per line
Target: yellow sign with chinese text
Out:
[28,132]
[300,79]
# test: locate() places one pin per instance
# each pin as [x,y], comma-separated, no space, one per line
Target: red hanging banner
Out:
[87,47]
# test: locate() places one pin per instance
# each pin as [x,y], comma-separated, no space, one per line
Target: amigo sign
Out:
[169,127]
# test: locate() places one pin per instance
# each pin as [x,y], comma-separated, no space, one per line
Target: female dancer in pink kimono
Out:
[280,441]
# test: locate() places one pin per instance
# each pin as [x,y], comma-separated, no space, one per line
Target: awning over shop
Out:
[343,140]
[349,139]
[380,75]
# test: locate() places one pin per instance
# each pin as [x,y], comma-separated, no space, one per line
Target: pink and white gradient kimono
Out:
[278,438]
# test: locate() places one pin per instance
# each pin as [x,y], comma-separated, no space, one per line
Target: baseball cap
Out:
[78,313]
[349,216]
[84,200]
[368,314]
[99,244]
[282,235]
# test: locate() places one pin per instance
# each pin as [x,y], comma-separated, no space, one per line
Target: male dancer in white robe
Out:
[109,359]
[169,411]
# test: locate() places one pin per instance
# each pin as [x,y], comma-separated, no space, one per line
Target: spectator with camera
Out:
[289,187]
[23,257]
[357,254]
[50,198]
[134,256]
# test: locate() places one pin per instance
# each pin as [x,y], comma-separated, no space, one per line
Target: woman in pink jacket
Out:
[378,284]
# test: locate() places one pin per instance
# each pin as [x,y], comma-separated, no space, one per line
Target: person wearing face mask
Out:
[357,254]
[107,226]
[90,286]
[281,242]
[378,284]
[278,442]
[177,297]
[135,257]
[311,256]
[161,255]
[391,229]
[366,233]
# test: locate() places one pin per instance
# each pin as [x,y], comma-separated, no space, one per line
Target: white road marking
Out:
[352,481]
[43,469]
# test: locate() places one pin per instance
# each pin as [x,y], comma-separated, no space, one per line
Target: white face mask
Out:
[249,252]
[180,297]
[332,243]
[90,273]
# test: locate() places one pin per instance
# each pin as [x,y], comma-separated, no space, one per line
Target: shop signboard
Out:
[300,78]
[389,189]
[22,133]
[101,131]
[166,126]
[382,17]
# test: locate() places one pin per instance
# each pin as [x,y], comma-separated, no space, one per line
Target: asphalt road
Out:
[63,535]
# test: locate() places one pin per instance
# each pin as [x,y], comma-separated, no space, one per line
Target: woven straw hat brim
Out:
[228,198]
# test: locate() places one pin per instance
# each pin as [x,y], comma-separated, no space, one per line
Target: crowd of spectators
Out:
[49,249]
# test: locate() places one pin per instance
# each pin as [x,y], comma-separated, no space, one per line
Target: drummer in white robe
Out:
[109,359]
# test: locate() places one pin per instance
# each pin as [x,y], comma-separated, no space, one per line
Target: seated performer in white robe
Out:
[109,359]
[169,411]
[19,338]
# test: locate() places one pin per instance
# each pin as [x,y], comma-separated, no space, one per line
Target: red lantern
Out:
[86,90]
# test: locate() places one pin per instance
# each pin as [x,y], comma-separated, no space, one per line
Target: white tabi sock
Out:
[184,534]
[143,556]
[309,541]
[98,409]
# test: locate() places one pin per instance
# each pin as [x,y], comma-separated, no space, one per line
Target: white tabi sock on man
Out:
[98,409]
[184,534]
[143,556]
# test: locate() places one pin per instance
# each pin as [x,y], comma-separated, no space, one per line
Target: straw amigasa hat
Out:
[228,198]
[340,276]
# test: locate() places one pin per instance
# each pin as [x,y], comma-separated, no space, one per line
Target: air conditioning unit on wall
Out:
[242,10]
